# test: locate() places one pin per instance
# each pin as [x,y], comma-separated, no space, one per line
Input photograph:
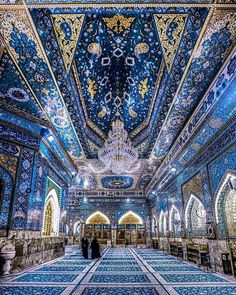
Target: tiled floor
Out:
[120,271]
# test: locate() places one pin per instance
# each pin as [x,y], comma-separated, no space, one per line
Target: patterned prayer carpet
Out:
[120,271]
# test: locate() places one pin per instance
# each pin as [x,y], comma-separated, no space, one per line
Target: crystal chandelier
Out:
[118,155]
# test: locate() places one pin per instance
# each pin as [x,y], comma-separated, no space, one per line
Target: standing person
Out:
[84,246]
[95,248]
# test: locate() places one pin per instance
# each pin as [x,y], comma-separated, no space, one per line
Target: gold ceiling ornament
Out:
[1,51]
[9,163]
[97,218]
[67,28]
[118,23]
[170,28]
[103,112]
[143,88]
[141,48]
[92,87]
[130,218]
[132,113]
[95,48]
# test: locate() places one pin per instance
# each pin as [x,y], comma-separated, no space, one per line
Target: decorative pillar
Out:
[113,235]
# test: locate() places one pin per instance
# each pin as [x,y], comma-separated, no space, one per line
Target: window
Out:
[48,220]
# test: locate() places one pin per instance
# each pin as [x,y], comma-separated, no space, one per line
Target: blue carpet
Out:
[175,268]
[118,266]
[35,277]
[119,279]
[120,291]
[192,278]
[62,268]
[211,290]
[30,290]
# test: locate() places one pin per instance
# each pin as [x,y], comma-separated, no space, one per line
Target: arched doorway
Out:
[131,228]
[195,217]
[225,208]
[99,224]
[77,229]
[174,222]
[51,215]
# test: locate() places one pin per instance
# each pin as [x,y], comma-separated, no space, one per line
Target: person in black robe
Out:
[84,246]
[95,248]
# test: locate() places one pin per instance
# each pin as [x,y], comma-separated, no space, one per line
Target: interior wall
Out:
[28,177]
[201,169]
[82,205]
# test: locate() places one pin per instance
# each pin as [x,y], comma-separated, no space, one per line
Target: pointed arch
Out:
[225,206]
[130,218]
[51,216]
[163,223]
[77,228]
[174,221]
[97,218]
[195,217]
[223,186]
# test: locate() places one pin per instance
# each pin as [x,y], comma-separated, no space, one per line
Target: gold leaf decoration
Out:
[92,88]
[132,113]
[118,23]
[9,163]
[141,48]
[102,113]
[143,88]
[95,48]
[67,29]
[170,28]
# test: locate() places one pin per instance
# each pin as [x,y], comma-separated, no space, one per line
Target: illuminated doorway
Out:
[51,215]
[99,224]
[131,229]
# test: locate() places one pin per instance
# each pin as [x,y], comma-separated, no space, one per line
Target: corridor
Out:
[119,271]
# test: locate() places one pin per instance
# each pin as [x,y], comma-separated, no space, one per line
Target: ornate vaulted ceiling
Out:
[75,67]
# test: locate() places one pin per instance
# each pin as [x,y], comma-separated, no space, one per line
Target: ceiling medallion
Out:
[118,155]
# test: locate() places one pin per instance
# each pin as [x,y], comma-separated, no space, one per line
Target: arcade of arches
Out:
[118,121]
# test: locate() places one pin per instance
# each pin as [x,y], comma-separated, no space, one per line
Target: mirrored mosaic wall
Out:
[200,189]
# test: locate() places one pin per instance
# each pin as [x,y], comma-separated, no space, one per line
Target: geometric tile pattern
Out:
[120,271]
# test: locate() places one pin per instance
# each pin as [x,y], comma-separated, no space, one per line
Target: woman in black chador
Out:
[84,246]
[95,248]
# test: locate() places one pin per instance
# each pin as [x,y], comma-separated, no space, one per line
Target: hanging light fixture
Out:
[118,155]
